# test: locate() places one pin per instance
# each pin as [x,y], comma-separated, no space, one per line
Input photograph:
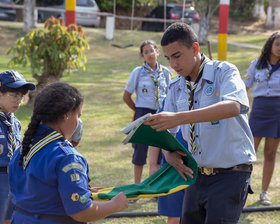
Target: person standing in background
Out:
[264,75]
[150,82]
[13,87]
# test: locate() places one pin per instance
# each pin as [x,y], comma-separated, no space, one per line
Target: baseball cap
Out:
[14,79]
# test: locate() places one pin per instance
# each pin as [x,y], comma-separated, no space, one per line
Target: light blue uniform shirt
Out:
[4,150]
[224,143]
[141,83]
[263,87]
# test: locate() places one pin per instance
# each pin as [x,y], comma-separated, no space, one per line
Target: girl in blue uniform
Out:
[49,178]
[150,83]
[13,87]
[264,75]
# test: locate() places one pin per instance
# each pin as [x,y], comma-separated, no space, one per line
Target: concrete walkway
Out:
[239,44]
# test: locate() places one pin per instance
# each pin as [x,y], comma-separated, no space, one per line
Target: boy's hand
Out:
[162,121]
[175,160]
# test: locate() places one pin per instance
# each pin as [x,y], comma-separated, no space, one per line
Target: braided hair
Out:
[266,51]
[51,104]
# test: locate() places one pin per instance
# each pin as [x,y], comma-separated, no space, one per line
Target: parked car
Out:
[84,12]
[173,11]
[8,14]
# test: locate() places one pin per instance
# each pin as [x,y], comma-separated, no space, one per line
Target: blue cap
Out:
[15,80]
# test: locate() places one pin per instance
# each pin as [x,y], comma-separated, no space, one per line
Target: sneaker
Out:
[265,200]
[133,201]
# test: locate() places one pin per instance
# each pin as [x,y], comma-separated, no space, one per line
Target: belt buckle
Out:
[207,171]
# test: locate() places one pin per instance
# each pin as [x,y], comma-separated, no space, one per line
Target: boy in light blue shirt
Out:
[209,103]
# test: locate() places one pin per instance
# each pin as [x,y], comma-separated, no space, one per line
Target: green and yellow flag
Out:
[163,182]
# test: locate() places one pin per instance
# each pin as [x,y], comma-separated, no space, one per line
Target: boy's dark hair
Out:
[147,42]
[51,104]
[180,32]
[23,89]
[266,51]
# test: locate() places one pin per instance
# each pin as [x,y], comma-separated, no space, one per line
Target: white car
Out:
[86,12]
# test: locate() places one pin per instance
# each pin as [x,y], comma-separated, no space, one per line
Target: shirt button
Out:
[196,136]
[195,101]
[199,153]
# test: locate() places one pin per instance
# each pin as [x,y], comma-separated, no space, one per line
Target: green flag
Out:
[163,182]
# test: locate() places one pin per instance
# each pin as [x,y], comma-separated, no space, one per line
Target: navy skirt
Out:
[265,117]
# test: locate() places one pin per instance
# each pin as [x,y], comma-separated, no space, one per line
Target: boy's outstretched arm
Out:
[221,110]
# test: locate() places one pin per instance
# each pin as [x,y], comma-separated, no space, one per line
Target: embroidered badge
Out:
[1,149]
[215,122]
[217,94]
[209,90]
[72,166]
[144,90]
[75,197]
[75,177]
[2,136]
[83,199]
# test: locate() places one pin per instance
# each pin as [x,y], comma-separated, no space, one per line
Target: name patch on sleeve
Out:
[72,166]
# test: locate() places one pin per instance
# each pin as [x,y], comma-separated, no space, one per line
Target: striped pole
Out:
[70,15]
[223,22]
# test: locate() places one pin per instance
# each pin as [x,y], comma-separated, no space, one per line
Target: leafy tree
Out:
[49,51]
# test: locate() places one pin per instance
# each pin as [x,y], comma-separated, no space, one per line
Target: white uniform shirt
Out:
[224,143]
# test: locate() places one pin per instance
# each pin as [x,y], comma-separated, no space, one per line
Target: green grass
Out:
[105,113]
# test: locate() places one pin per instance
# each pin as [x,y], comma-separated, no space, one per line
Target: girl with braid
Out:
[149,82]
[13,87]
[49,178]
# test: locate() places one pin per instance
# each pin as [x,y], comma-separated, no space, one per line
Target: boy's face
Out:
[181,58]
[10,101]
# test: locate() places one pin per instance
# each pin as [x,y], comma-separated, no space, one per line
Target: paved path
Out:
[239,44]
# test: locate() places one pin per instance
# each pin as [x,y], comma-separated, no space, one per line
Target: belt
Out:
[4,169]
[56,218]
[214,171]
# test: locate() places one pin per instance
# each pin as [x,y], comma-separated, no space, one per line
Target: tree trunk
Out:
[29,15]
[273,14]
[259,10]
[204,26]
[43,80]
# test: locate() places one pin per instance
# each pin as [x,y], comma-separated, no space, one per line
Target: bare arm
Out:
[99,210]
[128,100]
[218,111]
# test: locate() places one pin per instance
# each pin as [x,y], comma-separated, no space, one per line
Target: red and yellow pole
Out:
[70,15]
[222,37]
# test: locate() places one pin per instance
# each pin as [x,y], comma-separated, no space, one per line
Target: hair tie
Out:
[74,99]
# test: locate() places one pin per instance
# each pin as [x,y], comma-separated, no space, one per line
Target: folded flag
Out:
[166,180]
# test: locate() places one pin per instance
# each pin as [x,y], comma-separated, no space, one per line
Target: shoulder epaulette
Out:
[174,80]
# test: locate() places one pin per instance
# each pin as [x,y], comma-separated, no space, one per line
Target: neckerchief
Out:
[191,90]
[160,70]
[11,137]
[273,69]
[49,136]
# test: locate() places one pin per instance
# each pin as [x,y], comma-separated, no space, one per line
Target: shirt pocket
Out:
[211,124]
[182,105]
[261,76]
[146,88]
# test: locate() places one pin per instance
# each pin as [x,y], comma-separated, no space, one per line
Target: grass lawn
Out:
[105,113]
